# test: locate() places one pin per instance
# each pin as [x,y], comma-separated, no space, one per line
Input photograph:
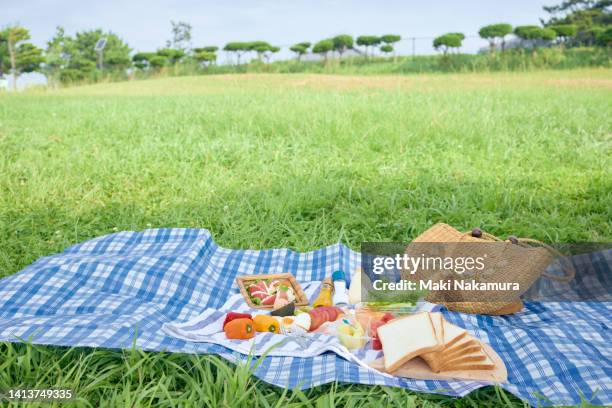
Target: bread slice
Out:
[476,356]
[452,334]
[472,347]
[484,364]
[461,345]
[407,337]
[438,324]
[436,360]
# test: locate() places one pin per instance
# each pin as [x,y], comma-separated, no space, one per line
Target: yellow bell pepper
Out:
[267,324]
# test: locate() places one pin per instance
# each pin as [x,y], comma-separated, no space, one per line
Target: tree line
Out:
[74,58]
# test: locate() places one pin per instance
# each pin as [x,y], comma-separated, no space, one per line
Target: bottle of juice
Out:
[325,295]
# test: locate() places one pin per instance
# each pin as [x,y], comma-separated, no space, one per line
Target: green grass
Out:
[300,161]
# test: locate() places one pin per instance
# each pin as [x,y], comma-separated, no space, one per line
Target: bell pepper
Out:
[267,324]
[239,329]
[233,316]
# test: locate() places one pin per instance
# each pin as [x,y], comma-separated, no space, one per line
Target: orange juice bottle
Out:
[325,295]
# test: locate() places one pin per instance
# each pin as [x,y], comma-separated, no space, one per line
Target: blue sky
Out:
[145,24]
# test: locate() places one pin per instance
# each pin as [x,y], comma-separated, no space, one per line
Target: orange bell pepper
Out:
[265,323]
[240,329]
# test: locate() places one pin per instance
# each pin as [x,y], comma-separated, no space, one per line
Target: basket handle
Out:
[568,268]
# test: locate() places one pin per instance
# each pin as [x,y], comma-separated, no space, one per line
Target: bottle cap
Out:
[338,276]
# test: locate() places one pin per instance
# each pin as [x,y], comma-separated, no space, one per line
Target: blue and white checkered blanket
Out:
[124,287]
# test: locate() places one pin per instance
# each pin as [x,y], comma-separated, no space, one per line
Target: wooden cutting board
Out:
[419,370]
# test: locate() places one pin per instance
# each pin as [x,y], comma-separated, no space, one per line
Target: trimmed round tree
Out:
[534,34]
[565,32]
[142,60]
[158,61]
[238,48]
[494,31]
[368,41]
[342,43]
[528,33]
[300,49]
[448,41]
[390,40]
[271,50]
[172,55]
[323,47]
[205,57]
[386,48]
[260,47]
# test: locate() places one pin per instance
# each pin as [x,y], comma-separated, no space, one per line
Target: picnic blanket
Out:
[121,289]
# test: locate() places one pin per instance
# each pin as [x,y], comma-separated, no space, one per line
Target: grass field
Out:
[291,160]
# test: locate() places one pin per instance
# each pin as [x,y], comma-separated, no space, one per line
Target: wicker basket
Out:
[520,260]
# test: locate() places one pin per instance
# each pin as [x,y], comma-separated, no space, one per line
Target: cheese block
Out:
[407,337]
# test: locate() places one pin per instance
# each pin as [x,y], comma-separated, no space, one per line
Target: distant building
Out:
[25,80]
[4,83]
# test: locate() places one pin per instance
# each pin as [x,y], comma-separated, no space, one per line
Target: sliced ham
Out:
[269,300]
[258,287]
[260,295]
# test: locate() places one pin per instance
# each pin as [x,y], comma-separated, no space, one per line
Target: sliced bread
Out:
[455,340]
[465,342]
[436,359]
[438,324]
[484,364]
[472,347]
[475,356]
[452,334]
[407,337]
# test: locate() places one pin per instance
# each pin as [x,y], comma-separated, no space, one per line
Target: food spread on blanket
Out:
[402,335]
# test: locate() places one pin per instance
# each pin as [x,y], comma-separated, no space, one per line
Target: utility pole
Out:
[413,47]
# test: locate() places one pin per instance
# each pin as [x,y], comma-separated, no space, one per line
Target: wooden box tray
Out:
[243,282]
